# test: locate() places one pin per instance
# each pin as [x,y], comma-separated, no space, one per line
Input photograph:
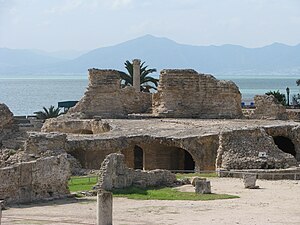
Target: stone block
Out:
[250,181]
[202,187]
[195,179]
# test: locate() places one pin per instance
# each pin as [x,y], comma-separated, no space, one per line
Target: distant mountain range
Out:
[158,53]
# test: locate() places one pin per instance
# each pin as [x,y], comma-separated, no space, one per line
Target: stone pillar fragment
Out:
[136,75]
[104,208]
[0,211]
[249,181]
[202,187]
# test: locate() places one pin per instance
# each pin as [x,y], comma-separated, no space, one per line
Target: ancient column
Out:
[0,211]
[136,74]
[104,208]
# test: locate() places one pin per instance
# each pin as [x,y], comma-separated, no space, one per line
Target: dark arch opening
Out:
[83,131]
[138,157]
[189,163]
[285,144]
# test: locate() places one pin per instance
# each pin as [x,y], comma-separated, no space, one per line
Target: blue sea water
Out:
[25,96]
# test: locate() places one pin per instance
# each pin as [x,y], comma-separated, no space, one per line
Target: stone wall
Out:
[241,150]
[6,122]
[35,180]
[75,126]
[114,174]
[158,153]
[268,107]
[45,144]
[105,97]
[185,93]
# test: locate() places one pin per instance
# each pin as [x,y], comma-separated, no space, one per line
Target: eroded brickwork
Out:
[35,180]
[105,97]
[185,93]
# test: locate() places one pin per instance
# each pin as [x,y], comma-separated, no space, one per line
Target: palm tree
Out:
[279,96]
[147,82]
[48,113]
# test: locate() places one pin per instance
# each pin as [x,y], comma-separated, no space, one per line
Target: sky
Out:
[55,25]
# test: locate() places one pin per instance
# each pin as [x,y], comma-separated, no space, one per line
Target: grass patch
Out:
[188,175]
[166,194]
[82,183]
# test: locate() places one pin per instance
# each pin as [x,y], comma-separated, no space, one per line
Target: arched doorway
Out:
[189,163]
[138,157]
[285,144]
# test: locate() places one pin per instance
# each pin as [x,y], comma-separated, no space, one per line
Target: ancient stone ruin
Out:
[181,93]
[251,149]
[35,180]
[268,107]
[105,97]
[186,93]
[114,174]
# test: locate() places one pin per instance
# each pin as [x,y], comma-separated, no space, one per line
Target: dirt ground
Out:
[276,202]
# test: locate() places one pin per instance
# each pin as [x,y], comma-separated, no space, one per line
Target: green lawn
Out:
[77,184]
[188,175]
[82,183]
[166,194]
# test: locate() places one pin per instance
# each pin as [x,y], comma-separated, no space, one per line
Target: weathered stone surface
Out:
[185,93]
[240,150]
[105,97]
[268,107]
[35,180]
[104,208]
[75,126]
[114,175]
[6,122]
[202,187]
[45,144]
[250,181]
[195,179]
[6,117]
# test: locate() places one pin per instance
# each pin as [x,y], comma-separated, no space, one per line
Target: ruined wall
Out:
[45,144]
[114,174]
[240,150]
[185,93]
[36,180]
[105,97]
[267,107]
[162,153]
[75,126]
[290,132]
[6,122]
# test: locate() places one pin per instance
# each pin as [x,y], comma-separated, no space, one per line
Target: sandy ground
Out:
[276,202]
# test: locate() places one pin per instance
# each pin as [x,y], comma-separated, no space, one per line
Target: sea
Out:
[24,96]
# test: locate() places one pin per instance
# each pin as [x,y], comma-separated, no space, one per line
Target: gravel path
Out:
[276,203]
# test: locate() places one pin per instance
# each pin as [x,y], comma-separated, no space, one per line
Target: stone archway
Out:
[285,144]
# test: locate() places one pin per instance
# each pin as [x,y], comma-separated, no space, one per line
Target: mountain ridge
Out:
[161,53]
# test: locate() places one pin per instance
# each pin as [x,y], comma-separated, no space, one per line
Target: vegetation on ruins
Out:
[82,183]
[166,193]
[51,112]
[279,96]
[147,82]
[77,184]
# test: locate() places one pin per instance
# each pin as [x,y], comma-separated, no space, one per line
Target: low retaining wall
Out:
[269,174]
[36,180]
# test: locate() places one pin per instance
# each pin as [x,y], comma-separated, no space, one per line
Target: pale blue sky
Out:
[87,24]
